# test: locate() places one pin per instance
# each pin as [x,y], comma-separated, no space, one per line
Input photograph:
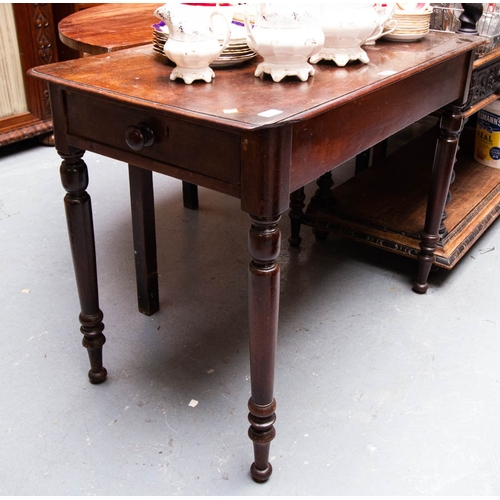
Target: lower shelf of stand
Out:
[384,206]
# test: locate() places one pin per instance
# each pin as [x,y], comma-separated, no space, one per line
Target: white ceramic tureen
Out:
[192,42]
[347,26]
[285,35]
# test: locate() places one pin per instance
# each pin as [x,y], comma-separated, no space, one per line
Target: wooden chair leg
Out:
[190,195]
[380,151]
[362,161]
[296,214]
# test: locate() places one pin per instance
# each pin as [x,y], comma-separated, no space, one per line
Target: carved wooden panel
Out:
[36,34]
[485,81]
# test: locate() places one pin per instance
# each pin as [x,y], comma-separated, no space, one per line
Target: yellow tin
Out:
[487,145]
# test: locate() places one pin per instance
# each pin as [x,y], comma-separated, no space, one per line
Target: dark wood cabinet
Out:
[36,35]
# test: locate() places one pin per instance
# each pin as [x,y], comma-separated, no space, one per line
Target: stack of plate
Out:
[160,36]
[236,52]
[413,22]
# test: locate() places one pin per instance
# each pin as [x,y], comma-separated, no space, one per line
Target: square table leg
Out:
[144,231]
[190,195]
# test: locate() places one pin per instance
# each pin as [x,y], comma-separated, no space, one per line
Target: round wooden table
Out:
[109,27]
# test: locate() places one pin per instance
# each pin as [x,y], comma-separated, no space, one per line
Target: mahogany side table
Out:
[253,139]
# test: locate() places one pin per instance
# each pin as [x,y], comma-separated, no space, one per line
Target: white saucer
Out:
[409,37]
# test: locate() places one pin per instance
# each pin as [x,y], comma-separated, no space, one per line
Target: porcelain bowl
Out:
[346,27]
[285,36]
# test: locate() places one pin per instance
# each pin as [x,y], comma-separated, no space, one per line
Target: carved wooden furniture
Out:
[36,37]
[281,137]
[36,27]
[93,31]
[385,206]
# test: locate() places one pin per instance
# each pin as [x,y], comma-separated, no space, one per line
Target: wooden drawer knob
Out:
[139,136]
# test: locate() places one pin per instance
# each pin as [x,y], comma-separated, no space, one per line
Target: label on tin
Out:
[487,147]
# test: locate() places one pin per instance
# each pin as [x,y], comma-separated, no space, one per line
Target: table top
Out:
[237,99]
[109,27]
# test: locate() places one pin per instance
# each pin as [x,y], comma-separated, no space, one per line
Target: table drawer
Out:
[193,147]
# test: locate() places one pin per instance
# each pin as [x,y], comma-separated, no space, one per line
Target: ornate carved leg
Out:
[74,178]
[264,287]
[190,195]
[451,125]
[296,206]
[143,225]
[322,200]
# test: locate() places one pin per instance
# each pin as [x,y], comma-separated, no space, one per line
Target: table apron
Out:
[216,157]
[192,152]
[332,138]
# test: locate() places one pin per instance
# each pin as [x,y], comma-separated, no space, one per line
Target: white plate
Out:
[223,62]
[410,37]
[235,53]
[410,34]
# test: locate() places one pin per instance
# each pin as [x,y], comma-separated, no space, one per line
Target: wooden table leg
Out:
[264,287]
[143,226]
[74,178]
[450,126]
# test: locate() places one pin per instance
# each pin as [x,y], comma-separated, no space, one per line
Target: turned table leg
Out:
[74,178]
[450,126]
[144,231]
[264,286]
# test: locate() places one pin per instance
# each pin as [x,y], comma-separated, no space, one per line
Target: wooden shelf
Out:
[385,205]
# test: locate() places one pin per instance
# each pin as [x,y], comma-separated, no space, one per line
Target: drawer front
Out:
[193,147]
